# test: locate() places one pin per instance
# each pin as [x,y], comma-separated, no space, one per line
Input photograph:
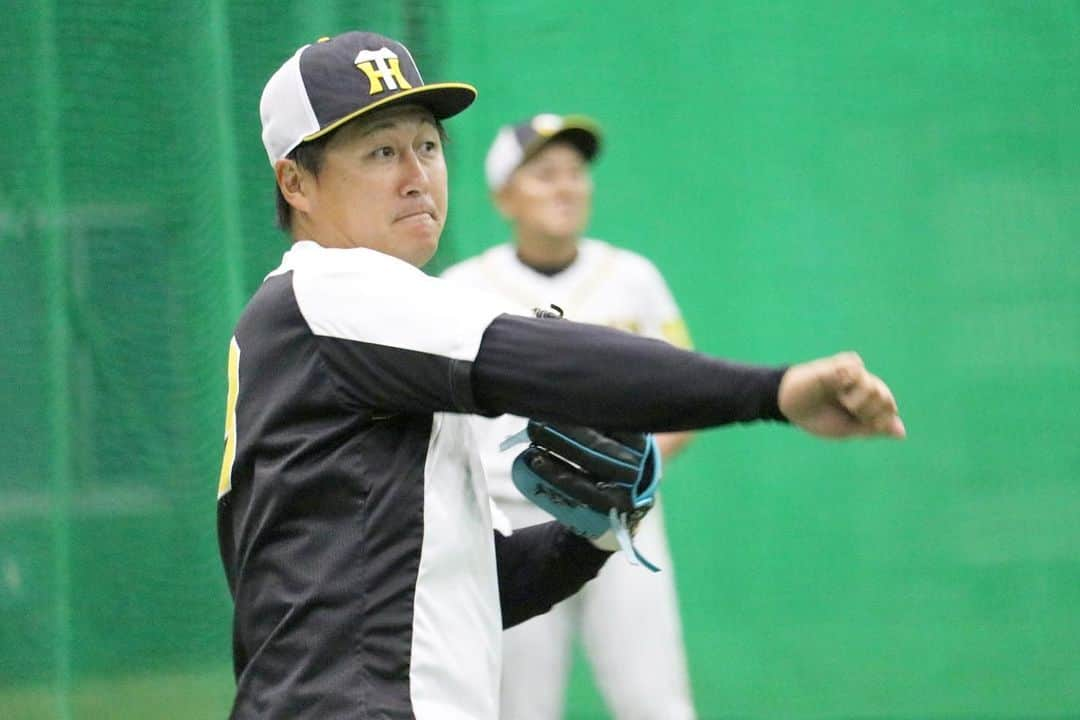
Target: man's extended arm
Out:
[597,376]
[591,375]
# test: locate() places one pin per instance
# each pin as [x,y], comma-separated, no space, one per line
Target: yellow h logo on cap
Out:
[383,70]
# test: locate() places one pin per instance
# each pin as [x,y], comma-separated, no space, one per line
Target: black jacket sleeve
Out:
[541,565]
[564,371]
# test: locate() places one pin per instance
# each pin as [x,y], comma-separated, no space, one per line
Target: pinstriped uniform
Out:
[628,618]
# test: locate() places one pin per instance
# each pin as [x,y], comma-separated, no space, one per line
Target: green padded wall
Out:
[902,179]
[898,178]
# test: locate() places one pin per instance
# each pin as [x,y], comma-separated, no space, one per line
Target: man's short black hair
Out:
[310,156]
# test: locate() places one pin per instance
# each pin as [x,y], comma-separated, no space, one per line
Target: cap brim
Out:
[582,134]
[444,100]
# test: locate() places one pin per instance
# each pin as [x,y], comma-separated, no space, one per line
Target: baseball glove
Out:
[591,482]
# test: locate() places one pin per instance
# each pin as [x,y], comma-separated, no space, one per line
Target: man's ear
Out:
[503,199]
[293,183]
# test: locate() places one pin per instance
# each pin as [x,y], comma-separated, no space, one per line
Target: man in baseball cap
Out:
[353,523]
[538,171]
[353,519]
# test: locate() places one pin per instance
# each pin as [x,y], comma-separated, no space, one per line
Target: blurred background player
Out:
[628,620]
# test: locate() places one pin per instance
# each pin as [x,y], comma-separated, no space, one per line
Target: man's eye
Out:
[429,146]
[383,152]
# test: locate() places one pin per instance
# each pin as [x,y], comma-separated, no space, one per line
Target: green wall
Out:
[902,179]
[898,178]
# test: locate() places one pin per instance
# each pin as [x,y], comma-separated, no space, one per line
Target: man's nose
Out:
[414,174]
[569,185]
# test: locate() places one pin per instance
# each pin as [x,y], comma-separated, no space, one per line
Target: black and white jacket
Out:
[353,518]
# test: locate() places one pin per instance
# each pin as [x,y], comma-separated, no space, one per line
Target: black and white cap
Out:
[515,144]
[326,84]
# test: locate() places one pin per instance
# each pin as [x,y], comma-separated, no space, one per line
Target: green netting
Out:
[900,178]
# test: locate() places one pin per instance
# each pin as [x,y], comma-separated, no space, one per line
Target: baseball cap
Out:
[515,144]
[327,83]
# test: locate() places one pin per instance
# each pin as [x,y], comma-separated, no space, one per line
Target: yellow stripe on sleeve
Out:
[676,333]
[225,481]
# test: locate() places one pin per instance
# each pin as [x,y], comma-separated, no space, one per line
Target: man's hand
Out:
[837,397]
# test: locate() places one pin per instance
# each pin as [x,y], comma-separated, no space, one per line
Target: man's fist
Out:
[837,397]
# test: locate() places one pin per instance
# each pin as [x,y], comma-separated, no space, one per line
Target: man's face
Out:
[551,194]
[382,186]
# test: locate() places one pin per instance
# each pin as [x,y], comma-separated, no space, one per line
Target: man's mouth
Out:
[418,213]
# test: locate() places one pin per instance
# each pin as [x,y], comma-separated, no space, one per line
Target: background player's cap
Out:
[515,144]
[326,84]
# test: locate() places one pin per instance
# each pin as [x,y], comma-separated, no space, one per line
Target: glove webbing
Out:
[618,523]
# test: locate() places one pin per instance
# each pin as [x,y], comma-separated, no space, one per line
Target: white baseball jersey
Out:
[604,285]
